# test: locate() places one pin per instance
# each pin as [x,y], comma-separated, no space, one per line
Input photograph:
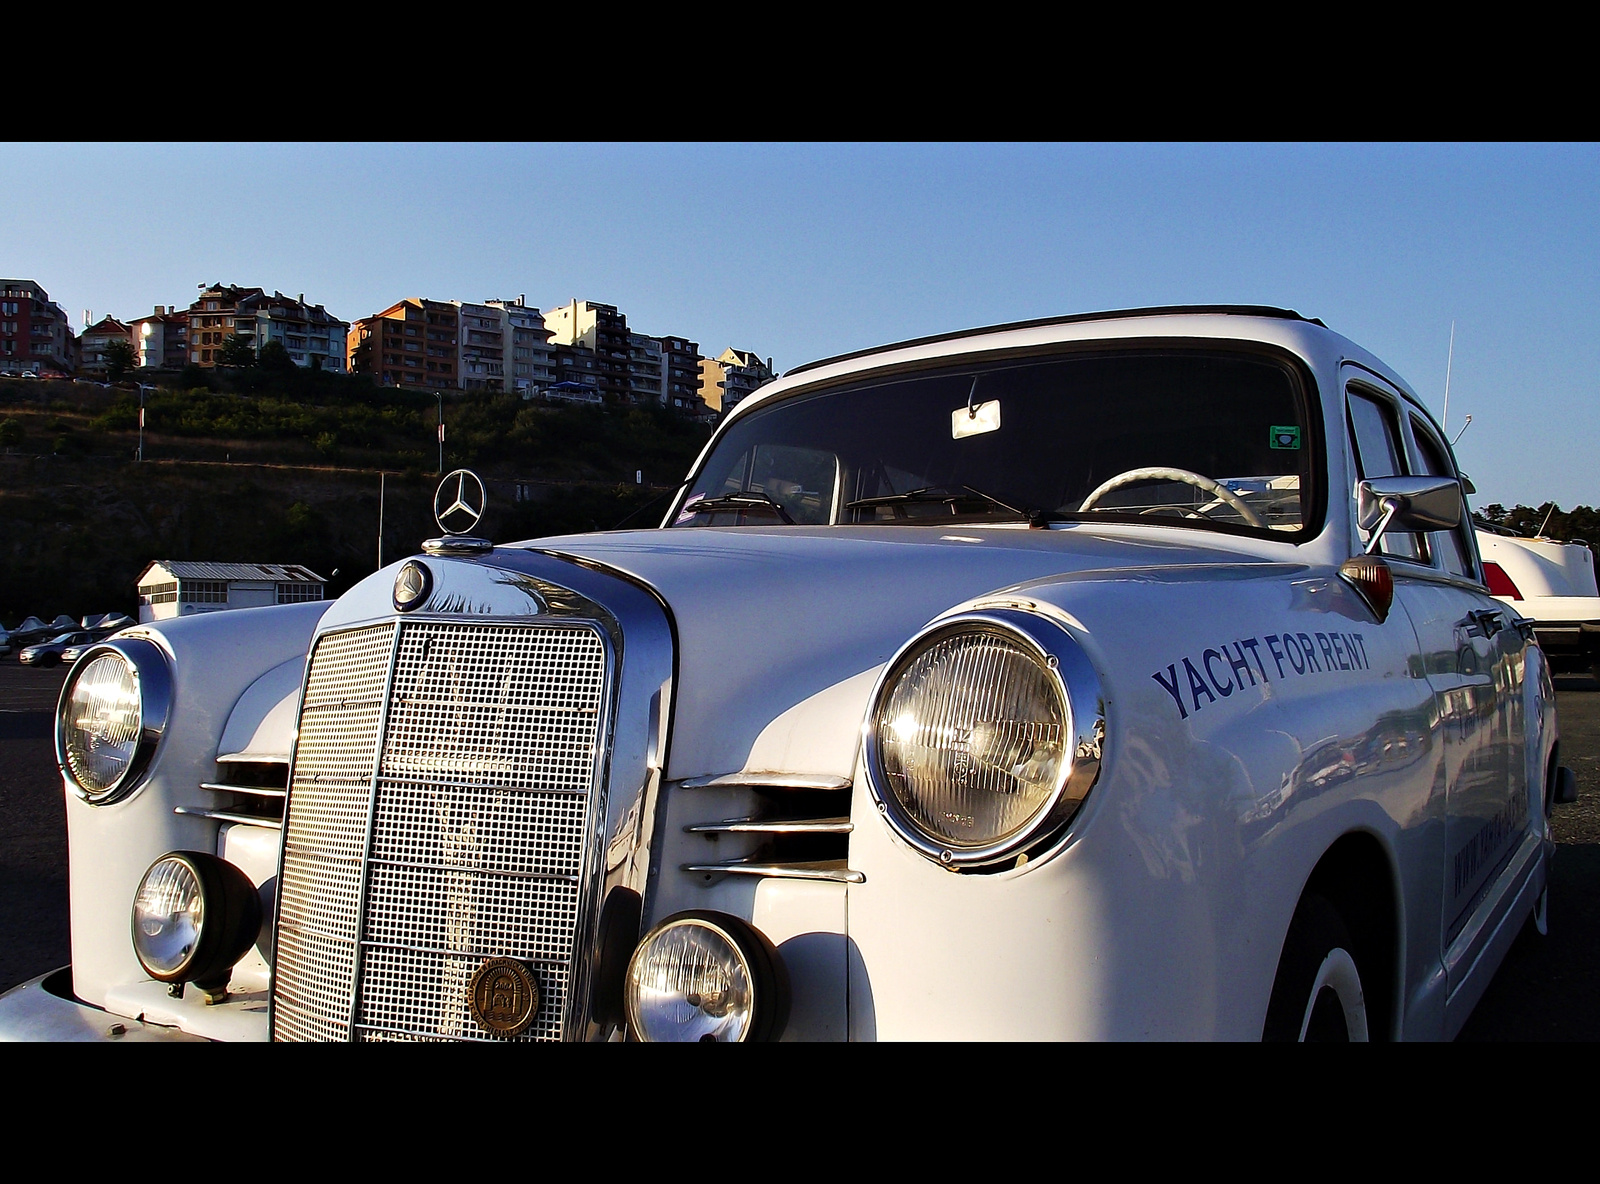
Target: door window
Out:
[1449,546]
[1379,453]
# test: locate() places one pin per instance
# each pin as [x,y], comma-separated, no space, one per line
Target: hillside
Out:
[288,472]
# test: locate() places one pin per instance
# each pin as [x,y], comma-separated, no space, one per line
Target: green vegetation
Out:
[119,360]
[258,465]
[237,351]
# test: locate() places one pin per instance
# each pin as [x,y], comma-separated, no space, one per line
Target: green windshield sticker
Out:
[1285,436]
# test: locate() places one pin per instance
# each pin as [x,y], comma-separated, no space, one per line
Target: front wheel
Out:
[1317,994]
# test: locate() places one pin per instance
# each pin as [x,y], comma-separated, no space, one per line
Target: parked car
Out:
[1124,676]
[96,627]
[1551,583]
[52,652]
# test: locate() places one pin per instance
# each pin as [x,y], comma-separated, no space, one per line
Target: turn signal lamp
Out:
[1371,577]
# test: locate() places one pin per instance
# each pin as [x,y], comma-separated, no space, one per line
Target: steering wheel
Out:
[1205,484]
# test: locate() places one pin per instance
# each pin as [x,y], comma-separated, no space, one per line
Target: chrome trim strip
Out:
[767,781]
[228,816]
[401,780]
[1078,684]
[394,945]
[775,826]
[384,706]
[834,870]
[456,867]
[259,790]
[294,927]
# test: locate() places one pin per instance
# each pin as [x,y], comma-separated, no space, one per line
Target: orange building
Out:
[412,343]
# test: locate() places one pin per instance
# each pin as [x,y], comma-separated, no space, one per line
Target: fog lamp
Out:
[194,916]
[705,976]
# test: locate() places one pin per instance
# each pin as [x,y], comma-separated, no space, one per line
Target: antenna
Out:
[1449,361]
[1546,521]
[1463,431]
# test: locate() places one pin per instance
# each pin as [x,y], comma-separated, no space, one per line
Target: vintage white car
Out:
[1127,676]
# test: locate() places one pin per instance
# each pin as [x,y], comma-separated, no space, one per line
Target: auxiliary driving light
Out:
[194,916]
[705,976]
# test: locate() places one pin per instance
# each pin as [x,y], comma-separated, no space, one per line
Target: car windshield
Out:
[1201,437]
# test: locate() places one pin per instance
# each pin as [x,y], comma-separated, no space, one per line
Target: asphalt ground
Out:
[1544,989]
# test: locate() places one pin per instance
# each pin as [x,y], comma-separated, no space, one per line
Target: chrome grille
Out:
[462,839]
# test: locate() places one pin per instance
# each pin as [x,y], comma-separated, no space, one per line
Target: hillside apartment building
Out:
[313,338]
[35,335]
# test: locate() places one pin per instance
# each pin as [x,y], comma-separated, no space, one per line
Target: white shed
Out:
[172,587]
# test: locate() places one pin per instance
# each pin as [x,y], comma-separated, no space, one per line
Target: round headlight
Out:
[984,737]
[194,916]
[111,716]
[705,976]
[102,722]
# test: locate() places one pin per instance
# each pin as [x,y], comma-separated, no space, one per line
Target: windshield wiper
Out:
[738,501]
[939,493]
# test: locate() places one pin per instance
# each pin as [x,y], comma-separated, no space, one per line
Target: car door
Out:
[1489,807]
[1470,656]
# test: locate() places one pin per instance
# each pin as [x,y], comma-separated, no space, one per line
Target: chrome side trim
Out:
[259,791]
[766,781]
[834,870]
[229,816]
[775,826]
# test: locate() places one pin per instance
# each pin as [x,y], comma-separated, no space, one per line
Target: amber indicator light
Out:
[1371,577]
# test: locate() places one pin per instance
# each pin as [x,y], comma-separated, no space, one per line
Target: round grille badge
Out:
[504,996]
[411,585]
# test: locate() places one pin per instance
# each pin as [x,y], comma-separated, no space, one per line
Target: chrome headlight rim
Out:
[152,679]
[1078,686]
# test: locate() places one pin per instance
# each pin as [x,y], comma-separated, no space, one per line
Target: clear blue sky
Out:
[800,252]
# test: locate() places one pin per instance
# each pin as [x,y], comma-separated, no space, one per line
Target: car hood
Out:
[782,632]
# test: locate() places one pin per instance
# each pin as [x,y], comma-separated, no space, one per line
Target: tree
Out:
[119,360]
[275,357]
[236,351]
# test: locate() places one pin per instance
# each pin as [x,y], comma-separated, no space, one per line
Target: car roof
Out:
[1307,337]
[1243,310]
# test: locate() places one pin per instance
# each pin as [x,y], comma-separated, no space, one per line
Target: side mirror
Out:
[1407,503]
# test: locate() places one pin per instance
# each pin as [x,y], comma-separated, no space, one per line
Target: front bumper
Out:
[45,1009]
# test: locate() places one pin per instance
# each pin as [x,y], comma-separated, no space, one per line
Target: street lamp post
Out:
[142,389]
